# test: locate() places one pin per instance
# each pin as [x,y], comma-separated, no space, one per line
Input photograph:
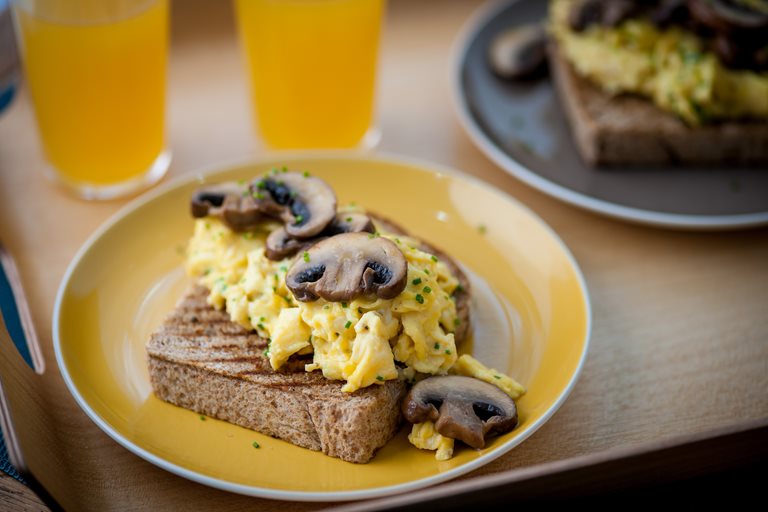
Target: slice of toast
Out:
[631,130]
[200,360]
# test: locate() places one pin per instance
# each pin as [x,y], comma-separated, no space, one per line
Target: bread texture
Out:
[202,361]
[631,130]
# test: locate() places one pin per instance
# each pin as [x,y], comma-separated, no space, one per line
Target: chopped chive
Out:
[348,324]
[482,229]
[327,306]
[202,418]
[416,281]
[260,326]
[241,182]
[299,219]
[359,311]
[497,376]
[256,444]
[456,321]
[343,304]
[283,268]
[284,169]
[261,319]
[261,184]
[419,298]
[427,289]
[458,289]
[437,346]
[397,240]
[426,271]
[448,352]
[258,195]
[306,174]
[349,219]
[434,258]
[306,256]
[379,378]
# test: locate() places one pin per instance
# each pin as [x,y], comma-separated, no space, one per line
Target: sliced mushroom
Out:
[305,204]
[728,16]
[346,266]
[585,13]
[519,52]
[669,12]
[230,202]
[281,245]
[461,407]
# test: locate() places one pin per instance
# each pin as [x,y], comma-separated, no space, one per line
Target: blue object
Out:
[12,319]
[6,96]
[5,463]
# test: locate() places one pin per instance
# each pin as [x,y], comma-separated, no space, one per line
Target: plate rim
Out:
[466,35]
[309,496]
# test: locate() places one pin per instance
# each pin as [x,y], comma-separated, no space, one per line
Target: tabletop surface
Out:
[679,328]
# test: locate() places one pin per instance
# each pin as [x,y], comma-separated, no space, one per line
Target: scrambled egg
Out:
[668,66]
[468,366]
[357,342]
[424,436]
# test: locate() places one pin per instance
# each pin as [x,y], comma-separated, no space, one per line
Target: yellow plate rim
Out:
[422,166]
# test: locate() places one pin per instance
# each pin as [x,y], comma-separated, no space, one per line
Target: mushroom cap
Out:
[306,204]
[228,201]
[281,245]
[519,52]
[462,408]
[728,17]
[346,266]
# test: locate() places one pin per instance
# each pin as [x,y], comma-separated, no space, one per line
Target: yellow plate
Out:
[531,319]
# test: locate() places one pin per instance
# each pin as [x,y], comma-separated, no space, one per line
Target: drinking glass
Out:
[312,67]
[96,72]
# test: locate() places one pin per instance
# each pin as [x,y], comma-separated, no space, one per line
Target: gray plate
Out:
[522,127]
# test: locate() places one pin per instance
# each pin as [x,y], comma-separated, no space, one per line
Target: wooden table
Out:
[680,337]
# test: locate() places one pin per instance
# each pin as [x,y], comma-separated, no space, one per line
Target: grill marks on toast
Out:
[201,361]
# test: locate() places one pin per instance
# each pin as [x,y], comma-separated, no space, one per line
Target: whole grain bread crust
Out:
[631,130]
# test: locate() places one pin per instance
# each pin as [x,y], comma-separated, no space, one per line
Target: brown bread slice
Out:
[200,360]
[631,130]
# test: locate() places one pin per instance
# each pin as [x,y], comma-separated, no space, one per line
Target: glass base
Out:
[99,192]
[371,138]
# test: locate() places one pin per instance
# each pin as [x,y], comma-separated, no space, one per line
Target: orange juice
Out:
[312,68]
[98,86]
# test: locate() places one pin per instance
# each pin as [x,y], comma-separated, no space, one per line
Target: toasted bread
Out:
[202,361]
[631,130]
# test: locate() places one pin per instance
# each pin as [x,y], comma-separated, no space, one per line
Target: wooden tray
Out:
[678,353]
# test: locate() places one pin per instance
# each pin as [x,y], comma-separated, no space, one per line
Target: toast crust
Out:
[202,361]
[631,130]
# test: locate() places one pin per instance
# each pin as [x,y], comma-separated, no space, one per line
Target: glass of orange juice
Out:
[312,66]
[96,72]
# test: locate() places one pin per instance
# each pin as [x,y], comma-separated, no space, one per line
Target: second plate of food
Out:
[522,127]
[529,306]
